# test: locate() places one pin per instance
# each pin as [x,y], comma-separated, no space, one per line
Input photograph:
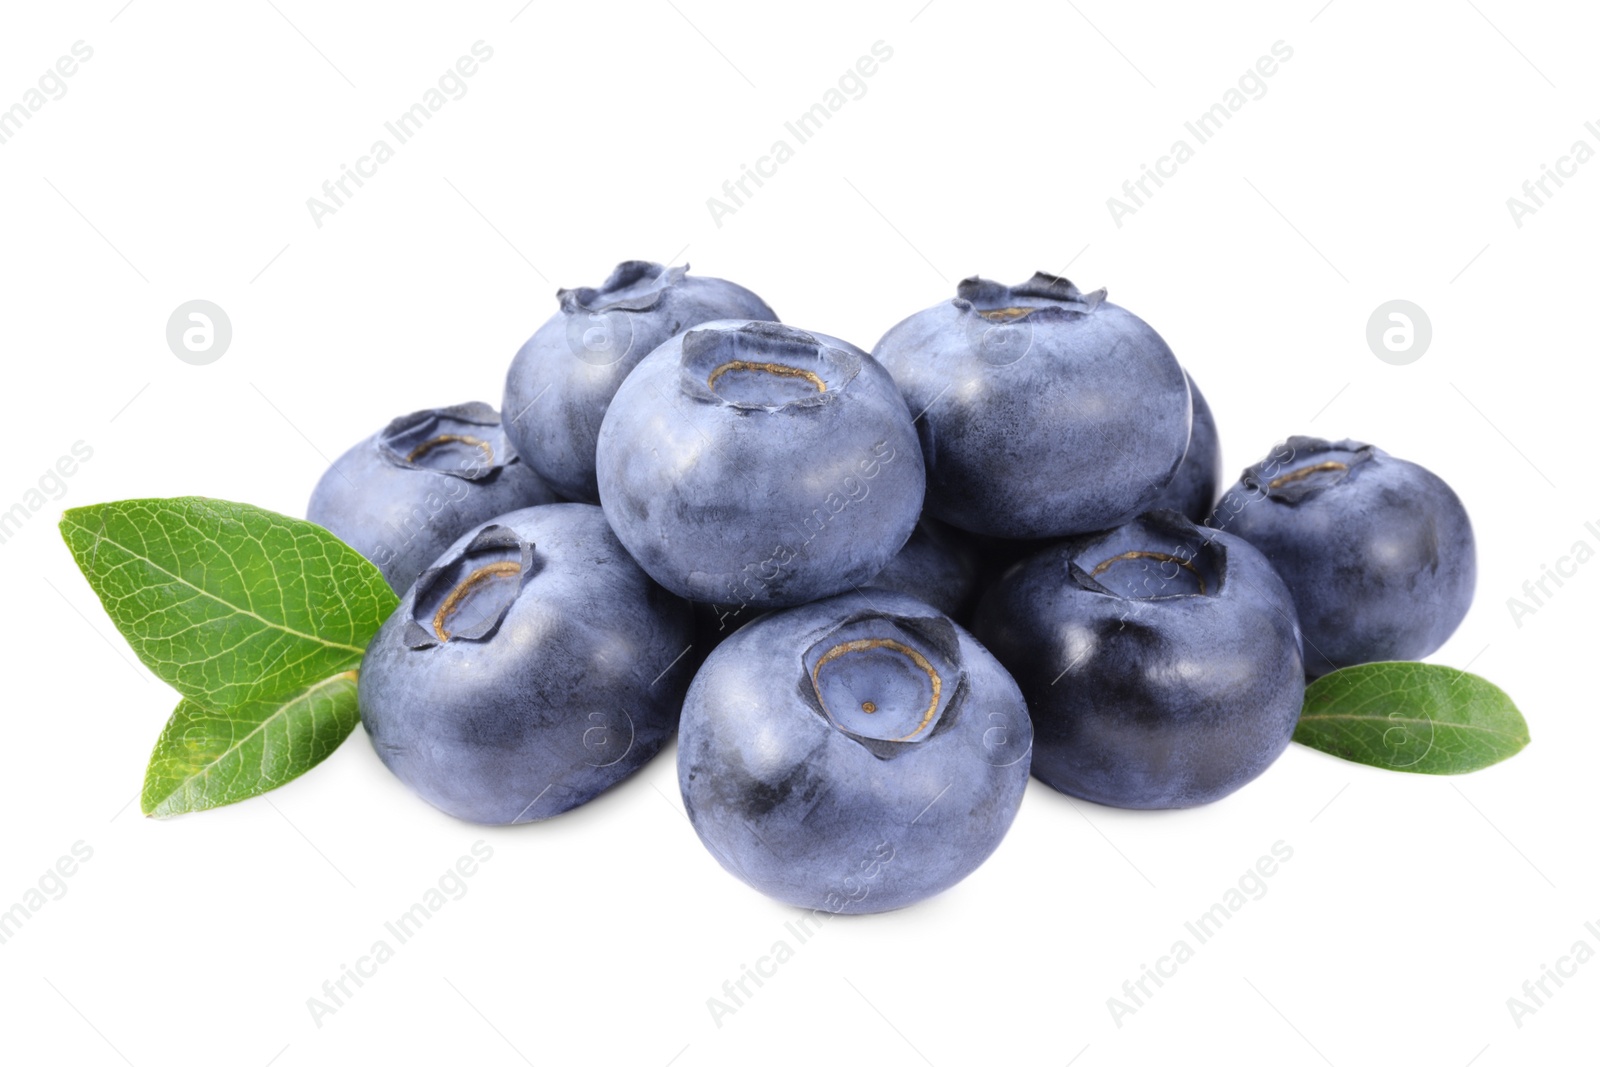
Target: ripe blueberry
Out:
[854,755]
[753,464]
[1160,661]
[1042,411]
[531,668]
[1378,552]
[402,495]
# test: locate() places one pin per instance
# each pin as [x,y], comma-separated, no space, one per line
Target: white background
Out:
[1376,166]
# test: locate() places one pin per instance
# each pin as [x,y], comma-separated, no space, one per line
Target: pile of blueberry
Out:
[877,589]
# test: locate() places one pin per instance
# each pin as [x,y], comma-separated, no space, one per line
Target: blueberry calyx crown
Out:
[764,365]
[466,595]
[1043,293]
[1159,555]
[1305,467]
[885,681]
[464,441]
[635,285]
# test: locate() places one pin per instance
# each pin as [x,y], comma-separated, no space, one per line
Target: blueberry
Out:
[1378,552]
[1043,411]
[854,755]
[531,668]
[1160,660]
[402,495]
[755,465]
[1193,490]
[937,566]
[562,380]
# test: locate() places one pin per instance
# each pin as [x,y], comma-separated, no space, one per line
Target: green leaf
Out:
[1416,717]
[258,620]
[227,602]
[205,759]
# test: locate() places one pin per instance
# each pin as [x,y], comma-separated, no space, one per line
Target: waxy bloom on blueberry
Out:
[754,465]
[1042,411]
